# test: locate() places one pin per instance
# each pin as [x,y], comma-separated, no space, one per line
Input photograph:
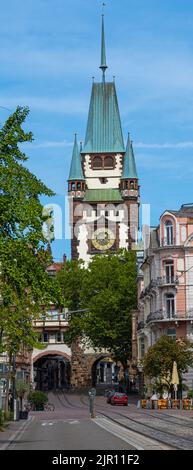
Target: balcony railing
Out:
[140,325]
[159,282]
[52,317]
[164,242]
[167,280]
[163,315]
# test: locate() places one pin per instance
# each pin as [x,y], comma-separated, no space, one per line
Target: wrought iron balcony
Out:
[164,316]
[164,243]
[140,325]
[167,280]
[155,316]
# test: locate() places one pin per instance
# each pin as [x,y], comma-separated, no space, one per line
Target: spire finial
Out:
[103,65]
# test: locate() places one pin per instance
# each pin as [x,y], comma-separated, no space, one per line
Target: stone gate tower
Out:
[103,182]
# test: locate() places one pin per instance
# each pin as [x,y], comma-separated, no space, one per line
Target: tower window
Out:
[103,162]
[169,232]
[132,185]
[97,162]
[109,162]
[78,186]
[103,180]
[73,186]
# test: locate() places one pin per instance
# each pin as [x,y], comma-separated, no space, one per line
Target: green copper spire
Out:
[129,166]
[104,132]
[76,172]
[103,65]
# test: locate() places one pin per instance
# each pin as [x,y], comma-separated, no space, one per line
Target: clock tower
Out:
[103,183]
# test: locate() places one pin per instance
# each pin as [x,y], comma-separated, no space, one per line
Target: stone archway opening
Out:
[52,372]
[103,372]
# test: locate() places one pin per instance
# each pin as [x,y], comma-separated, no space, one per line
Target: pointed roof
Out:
[104,132]
[76,172]
[129,166]
[103,65]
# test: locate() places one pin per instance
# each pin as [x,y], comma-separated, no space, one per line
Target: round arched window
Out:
[97,162]
[109,162]
[169,232]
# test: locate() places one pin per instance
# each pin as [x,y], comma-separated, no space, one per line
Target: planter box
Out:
[23,414]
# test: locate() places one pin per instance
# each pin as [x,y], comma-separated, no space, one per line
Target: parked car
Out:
[119,399]
[109,395]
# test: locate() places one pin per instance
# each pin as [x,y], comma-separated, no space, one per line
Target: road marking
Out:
[132,437]
[74,422]
[15,437]
[117,432]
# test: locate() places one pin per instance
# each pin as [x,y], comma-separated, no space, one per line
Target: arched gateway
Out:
[51,371]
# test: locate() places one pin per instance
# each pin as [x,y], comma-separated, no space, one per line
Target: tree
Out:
[24,283]
[21,388]
[158,361]
[70,280]
[110,294]
[106,292]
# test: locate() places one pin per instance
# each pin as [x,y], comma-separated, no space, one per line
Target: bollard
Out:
[169,403]
[92,414]
[92,394]
[155,404]
[148,404]
[181,405]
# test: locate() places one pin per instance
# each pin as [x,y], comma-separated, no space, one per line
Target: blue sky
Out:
[49,51]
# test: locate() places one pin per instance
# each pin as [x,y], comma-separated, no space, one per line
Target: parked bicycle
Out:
[46,407]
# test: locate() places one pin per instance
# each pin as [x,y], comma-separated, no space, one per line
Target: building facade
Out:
[165,283]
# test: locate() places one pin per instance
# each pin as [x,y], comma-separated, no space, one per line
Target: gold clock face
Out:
[103,239]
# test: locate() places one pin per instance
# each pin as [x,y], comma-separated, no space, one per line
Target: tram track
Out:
[157,428]
[175,441]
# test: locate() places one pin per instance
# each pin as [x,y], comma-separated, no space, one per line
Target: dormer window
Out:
[169,232]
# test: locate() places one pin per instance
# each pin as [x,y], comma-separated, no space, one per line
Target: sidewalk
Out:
[11,431]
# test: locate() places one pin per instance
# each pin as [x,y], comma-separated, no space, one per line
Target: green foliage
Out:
[158,361]
[38,399]
[1,418]
[24,283]
[190,394]
[21,388]
[107,292]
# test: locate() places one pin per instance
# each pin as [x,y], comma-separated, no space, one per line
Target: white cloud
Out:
[65,105]
[177,145]
[52,144]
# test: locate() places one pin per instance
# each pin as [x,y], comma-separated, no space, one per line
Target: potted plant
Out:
[21,388]
[37,399]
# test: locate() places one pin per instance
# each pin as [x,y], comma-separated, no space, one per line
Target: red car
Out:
[119,399]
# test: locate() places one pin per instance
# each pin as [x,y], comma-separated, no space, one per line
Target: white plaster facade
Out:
[93,176]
